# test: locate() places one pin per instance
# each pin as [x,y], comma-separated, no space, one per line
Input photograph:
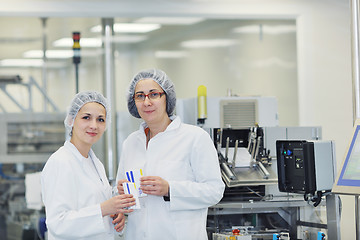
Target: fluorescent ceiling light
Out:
[208,43]
[129,28]
[170,54]
[97,42]
[60,54]
[49,54]
[21,63]
[128,38]
[31,63]
[84,42]
[267,29]
[170,20]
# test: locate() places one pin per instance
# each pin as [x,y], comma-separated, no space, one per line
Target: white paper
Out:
[129,188]
[243,157]
[134,177]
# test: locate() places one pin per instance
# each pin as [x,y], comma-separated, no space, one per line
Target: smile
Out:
[149,111]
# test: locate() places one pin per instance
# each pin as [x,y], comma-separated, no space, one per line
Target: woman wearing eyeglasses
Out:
[179,162]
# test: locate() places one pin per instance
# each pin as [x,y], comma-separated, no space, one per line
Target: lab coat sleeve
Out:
[121,168]
[63,217]
[207,189]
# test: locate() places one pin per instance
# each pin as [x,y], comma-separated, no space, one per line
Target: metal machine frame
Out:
[30,137]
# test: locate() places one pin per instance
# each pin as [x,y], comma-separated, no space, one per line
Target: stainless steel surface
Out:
[249,177]
[357,217]
[44,67]
[220,139]
[227,171]
[263,170]
[333,216]
[227,147]
[258,141]
[241,206]
[235,152]
[109,89]
[354,5]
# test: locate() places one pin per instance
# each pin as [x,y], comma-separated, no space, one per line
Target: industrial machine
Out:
[245,131]
[30,137]
[243,158]
[252,197]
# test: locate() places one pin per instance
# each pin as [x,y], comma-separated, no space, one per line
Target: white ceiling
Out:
[22,29]
[20,34]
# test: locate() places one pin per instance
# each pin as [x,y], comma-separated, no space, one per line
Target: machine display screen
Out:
[350,172]
[348,178]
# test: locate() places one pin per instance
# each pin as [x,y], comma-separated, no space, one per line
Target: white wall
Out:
[325,90]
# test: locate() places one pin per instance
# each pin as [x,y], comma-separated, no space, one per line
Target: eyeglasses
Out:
[140,97]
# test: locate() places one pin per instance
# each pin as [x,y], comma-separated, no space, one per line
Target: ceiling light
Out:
[60,54]
[129,28]
[97,42]
[84,42]
[268,29]
[128,38]
[49,54]
[21,63]
[31,63]
[170,54]
[170,20]
[208,43]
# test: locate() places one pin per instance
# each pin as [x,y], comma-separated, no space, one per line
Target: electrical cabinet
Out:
[305,166]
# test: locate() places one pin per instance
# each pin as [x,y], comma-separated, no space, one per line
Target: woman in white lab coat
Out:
[179,162]
[76,192]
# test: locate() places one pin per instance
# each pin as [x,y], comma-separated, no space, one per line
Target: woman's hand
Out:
[154,185]
[118,221]
[117,204]
[120,186]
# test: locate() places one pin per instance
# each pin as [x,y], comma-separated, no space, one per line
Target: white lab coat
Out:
[185,156]
[72,191]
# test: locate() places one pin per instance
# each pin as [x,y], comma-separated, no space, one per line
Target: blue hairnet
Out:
[80,100]
[160,78]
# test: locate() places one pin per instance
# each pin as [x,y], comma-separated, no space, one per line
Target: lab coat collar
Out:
[175,124]
[82,159]
[76,152]
[97,164]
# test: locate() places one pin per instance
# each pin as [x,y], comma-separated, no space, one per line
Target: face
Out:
[151,110]
[89,124]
